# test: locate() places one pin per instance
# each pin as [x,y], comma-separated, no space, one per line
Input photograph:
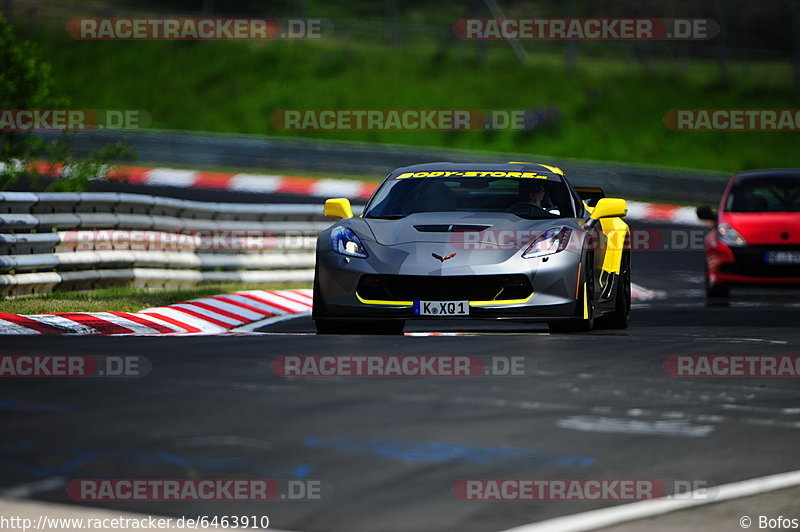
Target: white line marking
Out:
[628,426]
[21,491]
[605,517]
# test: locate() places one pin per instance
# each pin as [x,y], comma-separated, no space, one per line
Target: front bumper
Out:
[554,284]
[746,266]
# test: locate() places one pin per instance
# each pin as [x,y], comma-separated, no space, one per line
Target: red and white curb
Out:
[661,212]
[257,183]
[208,315]
[320,188]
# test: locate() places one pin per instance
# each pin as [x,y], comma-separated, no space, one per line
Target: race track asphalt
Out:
[388,451]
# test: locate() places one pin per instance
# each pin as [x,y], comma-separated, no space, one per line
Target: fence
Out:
[80,241]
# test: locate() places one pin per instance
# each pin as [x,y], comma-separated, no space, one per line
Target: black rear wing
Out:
[590,194]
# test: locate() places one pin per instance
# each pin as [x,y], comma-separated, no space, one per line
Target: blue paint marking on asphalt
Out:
[176,460]
[22,445]
[82,457]
[42,472]
[441,452]
[302,471]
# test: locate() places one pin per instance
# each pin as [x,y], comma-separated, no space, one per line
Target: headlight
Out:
[730,236]
[345,242]
[552,241]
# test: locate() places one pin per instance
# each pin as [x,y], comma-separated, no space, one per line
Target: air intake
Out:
[450,228]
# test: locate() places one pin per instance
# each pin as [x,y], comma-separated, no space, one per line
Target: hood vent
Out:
[449,228]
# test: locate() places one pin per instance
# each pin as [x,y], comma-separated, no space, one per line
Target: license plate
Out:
[441,308]
[782,257]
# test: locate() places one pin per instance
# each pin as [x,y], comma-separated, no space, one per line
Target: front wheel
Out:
[716,291]
[619,318]
[584,321]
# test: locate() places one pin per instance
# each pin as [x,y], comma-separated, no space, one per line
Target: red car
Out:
[756,234]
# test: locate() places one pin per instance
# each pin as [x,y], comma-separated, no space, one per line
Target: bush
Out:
[26,83]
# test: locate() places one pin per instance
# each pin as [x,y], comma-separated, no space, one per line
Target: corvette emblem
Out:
[442,259]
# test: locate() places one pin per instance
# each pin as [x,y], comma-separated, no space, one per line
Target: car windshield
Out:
[527,198]
[765,195]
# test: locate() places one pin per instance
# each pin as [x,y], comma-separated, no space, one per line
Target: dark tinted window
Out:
[765,195]
[528,198]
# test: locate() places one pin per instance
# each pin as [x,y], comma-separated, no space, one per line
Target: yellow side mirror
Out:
[338,208]
[609,208]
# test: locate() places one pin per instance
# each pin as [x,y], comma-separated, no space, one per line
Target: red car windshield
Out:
[765,195]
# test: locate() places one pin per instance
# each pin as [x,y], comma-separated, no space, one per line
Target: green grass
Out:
[125,299]
[611,109]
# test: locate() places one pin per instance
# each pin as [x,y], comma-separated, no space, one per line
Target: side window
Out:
[580,212]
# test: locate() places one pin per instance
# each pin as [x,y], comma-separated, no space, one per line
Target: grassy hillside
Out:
[609,109]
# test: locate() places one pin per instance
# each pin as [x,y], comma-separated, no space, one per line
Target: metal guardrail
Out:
[677,185]
[79,241]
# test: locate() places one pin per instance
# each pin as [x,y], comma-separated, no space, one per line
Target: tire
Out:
[317,306]
[326,326]
[578,323]
[359,327]
[620,317]
[716,291]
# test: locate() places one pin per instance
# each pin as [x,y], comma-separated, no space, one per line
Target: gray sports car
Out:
[480,241]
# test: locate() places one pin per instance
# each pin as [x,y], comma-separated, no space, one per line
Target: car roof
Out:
[767,173]
[547,171]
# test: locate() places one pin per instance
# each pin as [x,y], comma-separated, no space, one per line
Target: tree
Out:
[26,83]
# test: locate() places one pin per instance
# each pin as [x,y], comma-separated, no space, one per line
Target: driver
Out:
[532,193]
